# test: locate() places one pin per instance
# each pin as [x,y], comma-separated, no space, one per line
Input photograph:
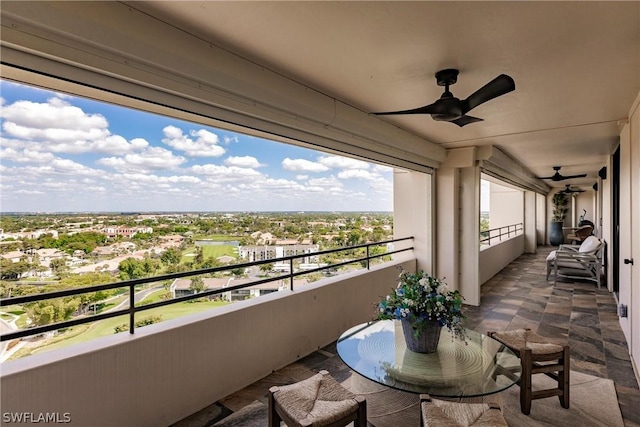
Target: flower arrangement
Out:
[419,298]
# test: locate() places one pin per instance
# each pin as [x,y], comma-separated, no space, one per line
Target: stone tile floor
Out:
[519,296]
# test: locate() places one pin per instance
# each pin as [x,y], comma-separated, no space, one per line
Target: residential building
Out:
[183,287]
[126,231]
[287,248]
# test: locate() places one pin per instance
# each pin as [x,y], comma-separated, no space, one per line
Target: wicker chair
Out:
[440,413]
[317,401]
[538,356]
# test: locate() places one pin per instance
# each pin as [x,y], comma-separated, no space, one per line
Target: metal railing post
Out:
[291,273]
[132,308]
[368,260]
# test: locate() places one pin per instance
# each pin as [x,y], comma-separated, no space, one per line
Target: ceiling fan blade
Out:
[465,120]
[574,176]
[434,108]
[496,87]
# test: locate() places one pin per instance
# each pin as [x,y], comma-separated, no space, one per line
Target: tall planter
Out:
[556,235]
[559,202]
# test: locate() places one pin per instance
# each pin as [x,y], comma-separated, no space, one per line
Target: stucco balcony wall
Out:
[169,370]
[497,256]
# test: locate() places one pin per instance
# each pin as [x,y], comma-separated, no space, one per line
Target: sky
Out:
[62,153]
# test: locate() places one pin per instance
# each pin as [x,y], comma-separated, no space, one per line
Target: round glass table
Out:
[481,366]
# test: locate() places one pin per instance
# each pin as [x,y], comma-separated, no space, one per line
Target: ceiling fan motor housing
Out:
[447,77]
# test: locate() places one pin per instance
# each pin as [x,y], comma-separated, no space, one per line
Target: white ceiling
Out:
[576,65]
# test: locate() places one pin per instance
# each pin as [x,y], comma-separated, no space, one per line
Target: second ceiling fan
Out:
[569,190]
[451,109]
[558,177]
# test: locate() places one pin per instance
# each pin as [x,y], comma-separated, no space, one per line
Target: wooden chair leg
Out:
[563,380]
[274,418]
[361,421]
[525,380]
[423,398]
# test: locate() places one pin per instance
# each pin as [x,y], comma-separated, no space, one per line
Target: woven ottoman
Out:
[316,401]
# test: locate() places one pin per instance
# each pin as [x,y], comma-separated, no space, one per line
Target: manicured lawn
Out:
[153,297]
[6,317]
[106,327]
[216,237]
[209,251]
[214,251]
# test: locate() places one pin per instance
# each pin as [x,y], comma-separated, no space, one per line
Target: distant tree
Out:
[10,270]
[177,268]
[131,268]
[7,289]
[58,265]
[354,237]
[150,265]
[85,241]
[197,285]
[171,256]
[48,311]
[199,257]
[266,268]
[208,263]
[238,271]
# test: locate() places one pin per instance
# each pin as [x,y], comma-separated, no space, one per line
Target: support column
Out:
[470,234]
[412,213]
[447,225]
[458,230]
[530,222]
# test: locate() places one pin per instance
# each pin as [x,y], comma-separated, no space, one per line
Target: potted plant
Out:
[559,203]
[424,304]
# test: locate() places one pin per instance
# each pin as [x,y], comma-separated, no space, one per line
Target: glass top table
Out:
[377,351]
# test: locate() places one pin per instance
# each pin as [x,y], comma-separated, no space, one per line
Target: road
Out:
[139,296]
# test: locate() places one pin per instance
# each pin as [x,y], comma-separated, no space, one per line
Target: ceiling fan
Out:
[569,190]
[557,177]
[451,109]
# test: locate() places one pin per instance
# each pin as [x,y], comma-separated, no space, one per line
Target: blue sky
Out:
[61,153]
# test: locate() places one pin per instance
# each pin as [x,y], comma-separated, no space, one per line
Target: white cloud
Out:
[337,162]
[243,162]
[330,181]
[59,157]
[25,156]
[55,114]
[222,174]
[204,145]
[382,169]
[229,139]
[153,158]
[303,165]
[356,173]
[58,127]
[156,180]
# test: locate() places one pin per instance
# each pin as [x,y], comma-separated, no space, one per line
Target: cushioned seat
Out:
[538,356]
[441,413]
[577,261]
[317,401]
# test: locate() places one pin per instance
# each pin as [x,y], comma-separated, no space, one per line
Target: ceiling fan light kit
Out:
[451,109]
